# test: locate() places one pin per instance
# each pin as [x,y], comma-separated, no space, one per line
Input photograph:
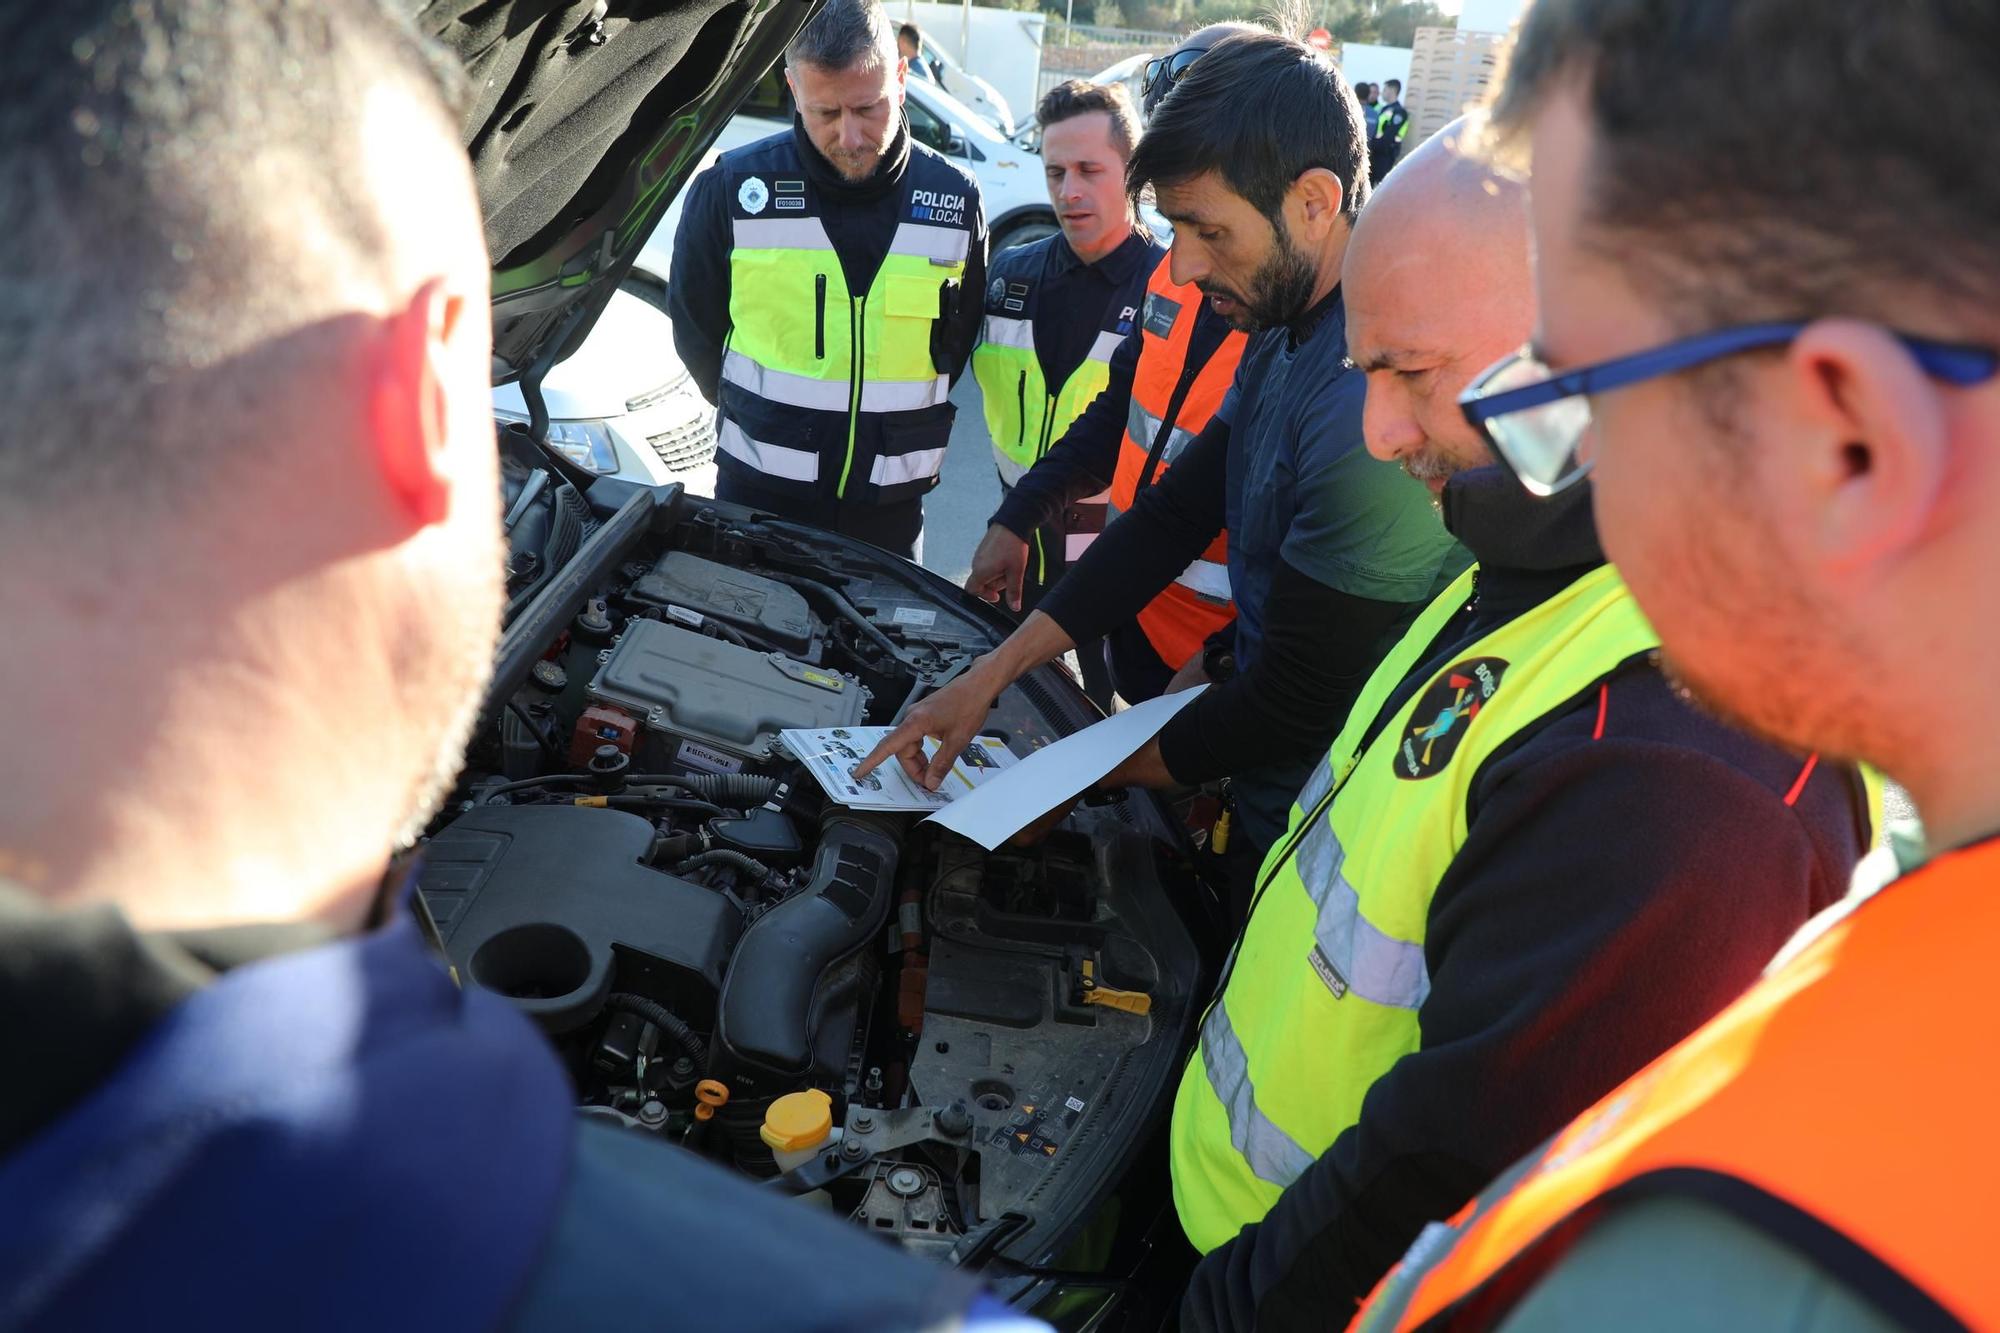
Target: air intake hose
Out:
[764,1019]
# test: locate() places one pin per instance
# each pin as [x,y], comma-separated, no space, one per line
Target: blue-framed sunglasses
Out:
[1536,419]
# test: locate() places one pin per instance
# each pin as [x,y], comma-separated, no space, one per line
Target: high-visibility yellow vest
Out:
[825,389]
[1023,415]
[1321,996]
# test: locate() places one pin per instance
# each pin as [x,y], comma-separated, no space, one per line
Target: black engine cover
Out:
[549,906]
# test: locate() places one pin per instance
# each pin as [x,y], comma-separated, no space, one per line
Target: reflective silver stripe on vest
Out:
[944,244]
[1318,785]
[1271,1153]
[1206,579]
[1076,543]
[778,386]
[1145,428]
[779,234]
[897,469]
[771,459]
[1140,424]
[1011,472]
[1375,966]
[1107,343]
[1006,331]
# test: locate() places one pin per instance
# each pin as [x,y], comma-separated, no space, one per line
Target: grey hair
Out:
[844,34]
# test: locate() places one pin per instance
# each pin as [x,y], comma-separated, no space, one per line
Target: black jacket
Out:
[1631,865]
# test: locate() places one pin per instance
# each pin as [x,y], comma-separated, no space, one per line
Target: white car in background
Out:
[624,404]
[971,91]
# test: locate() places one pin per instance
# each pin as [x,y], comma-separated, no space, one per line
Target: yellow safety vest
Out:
[1321,996]
[822,386]
[1023,417]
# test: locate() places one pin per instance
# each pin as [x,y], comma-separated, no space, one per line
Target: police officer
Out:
[1057,310]
[1165,382]
[1448,955]
[1809,510]
[826,294]
[1371,108]
[1391,128]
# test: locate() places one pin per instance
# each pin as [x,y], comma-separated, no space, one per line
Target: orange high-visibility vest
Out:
[1197,603]
[1849,1103]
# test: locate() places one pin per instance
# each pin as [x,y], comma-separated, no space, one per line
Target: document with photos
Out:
[831,753]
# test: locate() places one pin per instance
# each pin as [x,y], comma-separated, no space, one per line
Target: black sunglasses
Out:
[1162,72]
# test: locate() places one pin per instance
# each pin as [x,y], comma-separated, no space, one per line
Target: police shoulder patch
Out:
[1443,713]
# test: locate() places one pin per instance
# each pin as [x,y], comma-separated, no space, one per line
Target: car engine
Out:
[957,1049]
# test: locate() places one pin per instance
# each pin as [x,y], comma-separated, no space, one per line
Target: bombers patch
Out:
[753,194]
[1443,713]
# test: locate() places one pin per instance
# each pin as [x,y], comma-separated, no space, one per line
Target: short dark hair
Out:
[1361,89]
[913,32]
[1080,97]
[1792,198]
[1261,109]
[1397,84]
[844,34]
[162,164]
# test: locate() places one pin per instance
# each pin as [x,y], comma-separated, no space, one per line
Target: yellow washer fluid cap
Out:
[798,1120]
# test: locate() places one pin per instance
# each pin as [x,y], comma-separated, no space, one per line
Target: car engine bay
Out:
[958,1050]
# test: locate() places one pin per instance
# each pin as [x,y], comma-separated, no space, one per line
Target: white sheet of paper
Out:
[1009,802]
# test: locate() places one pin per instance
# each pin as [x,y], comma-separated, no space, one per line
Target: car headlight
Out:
[584,443]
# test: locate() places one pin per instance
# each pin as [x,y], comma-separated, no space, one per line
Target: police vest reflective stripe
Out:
[808,362]
[1845,1102]
[1197,603]
[1023,418]
[1321,997]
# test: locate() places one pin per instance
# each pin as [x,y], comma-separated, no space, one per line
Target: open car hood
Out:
[583,120]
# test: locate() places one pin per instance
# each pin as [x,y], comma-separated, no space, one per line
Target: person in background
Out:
[1057,310]
[1790,418]
[1392,127]
[910,45]
[841,267]
[241,1090]
[1331,552]
[1450,954]
[1371,111]
[1166,380]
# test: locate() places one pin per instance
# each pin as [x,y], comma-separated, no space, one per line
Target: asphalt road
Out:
[955,513]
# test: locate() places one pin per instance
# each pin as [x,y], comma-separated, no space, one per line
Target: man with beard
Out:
[1791,423]
[1330,551]
[1498,895]
[826,294]
[250,561]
